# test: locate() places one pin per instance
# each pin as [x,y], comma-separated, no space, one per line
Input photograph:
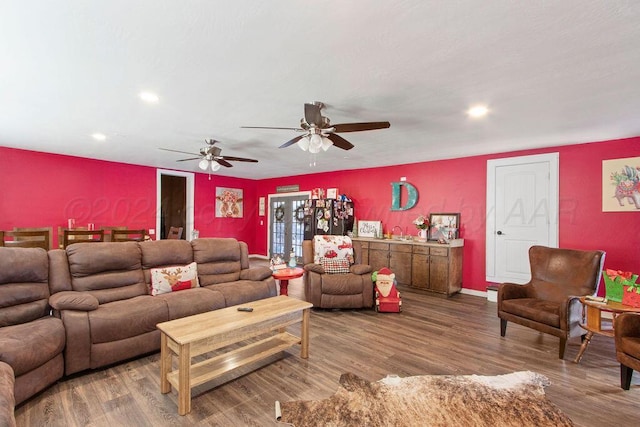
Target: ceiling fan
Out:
[210,157]
[319,133]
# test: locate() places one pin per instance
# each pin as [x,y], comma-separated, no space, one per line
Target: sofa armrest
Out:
[72,300]
[255,273]
[360,269]
[314,268]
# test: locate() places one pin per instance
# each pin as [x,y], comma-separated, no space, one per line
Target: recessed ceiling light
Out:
[149,97]
[99,136]
[478,111]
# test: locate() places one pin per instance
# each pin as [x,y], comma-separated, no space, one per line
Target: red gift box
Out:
[630,296]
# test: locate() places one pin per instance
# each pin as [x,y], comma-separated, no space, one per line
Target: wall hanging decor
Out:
[396,192]
[621,185]
[443,226]
[228,202]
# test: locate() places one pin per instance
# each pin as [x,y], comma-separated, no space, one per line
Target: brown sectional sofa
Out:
[102,310]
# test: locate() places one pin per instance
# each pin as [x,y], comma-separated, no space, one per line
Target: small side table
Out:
[286,274]
[594,323]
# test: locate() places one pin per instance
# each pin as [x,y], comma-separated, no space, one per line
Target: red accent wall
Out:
[40,189]
[459,185]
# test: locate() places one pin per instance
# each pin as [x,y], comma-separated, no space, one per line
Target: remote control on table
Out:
[248,309]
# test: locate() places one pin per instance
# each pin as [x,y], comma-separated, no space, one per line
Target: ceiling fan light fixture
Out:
[315,143]
[203,164]
[303,143]
[215,166]
[326,143]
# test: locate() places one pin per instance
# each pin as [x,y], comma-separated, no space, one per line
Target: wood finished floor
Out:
[432,336]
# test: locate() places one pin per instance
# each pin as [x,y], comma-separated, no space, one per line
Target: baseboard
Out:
[258,256]
[473,292]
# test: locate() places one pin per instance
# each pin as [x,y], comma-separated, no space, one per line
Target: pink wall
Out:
[40,189]
[459,185]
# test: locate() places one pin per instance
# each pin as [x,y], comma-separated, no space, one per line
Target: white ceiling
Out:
[551,72]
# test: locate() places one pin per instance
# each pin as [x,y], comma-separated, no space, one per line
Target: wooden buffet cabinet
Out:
[430,266]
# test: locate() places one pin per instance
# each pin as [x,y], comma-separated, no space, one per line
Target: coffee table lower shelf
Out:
[207,370]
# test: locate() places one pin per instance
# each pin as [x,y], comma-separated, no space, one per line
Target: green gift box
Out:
[615,281]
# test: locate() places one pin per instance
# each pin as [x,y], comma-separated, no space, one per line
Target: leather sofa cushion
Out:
[219,260]
[24,289]
[342,284]
[243,291]
[30,345]
[109,272]
[118,320]
[198,300]
[164,253]
[547,312]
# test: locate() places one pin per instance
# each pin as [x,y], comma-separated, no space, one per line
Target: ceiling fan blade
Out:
[312,114]
[224,163]
[292,141]
[269,127]
[176,151]
[192,158]
[359,127]
[238,159]
[339,141]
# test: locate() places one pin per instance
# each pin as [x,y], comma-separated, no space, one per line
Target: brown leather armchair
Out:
[549,302]
[627,333]
[347,290]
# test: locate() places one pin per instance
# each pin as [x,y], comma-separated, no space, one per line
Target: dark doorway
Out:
[173,196]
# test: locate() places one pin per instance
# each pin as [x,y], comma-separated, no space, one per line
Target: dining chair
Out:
[128,235]
[81,236]
[175,233]
[33,238]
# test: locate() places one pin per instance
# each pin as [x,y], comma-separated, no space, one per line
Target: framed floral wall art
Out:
[228,202]
[621,185]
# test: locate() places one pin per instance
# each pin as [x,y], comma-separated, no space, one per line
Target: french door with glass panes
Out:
[286,225]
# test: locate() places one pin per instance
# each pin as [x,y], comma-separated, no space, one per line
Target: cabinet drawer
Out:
[379,246]
[401,248]
[421,250]
[440,251]
[364,245]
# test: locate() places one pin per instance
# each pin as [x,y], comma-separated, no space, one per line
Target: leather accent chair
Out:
[323,290]
[31,340]
[627,334]
[550,303]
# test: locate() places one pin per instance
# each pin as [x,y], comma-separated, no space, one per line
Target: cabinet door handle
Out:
[499,233]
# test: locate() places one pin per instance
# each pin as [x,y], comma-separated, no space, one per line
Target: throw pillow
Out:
[335,265]
[172,279]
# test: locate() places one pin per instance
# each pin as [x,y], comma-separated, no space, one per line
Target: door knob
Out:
[499,233]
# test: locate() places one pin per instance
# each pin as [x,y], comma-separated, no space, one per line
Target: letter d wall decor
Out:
[396,191]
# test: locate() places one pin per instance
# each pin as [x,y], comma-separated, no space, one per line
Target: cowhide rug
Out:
[516,399]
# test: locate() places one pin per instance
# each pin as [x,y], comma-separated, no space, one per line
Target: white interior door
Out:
[522,211]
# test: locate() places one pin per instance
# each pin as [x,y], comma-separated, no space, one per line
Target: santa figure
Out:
[387,295]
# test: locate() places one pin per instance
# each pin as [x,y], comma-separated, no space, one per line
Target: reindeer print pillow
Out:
[172,279]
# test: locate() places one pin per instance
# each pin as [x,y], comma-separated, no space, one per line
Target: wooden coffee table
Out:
[202,333]
[596,324]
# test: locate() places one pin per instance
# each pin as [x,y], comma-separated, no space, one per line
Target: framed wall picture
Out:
[369,228]
[621,185]
[443,226]
[228,202]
